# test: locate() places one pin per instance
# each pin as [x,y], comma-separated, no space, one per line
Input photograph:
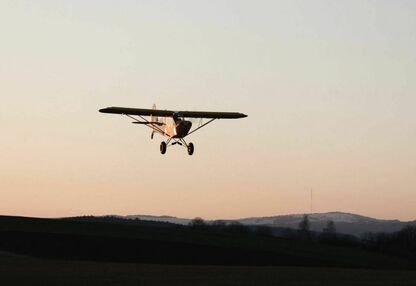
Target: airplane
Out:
[171,124]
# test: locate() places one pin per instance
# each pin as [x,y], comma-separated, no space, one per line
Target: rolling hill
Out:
[345,223]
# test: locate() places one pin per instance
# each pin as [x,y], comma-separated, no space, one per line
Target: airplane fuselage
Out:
[175,129]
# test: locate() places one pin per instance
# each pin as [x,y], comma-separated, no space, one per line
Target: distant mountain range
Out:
[345,223]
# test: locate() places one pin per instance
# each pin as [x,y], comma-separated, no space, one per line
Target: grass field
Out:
[59,252]
[90,241]
[22,270]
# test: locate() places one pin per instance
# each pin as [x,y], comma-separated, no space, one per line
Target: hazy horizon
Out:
[328,87]
[236,218]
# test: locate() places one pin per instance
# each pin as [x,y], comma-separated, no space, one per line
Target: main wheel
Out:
[190,148]
[163,147]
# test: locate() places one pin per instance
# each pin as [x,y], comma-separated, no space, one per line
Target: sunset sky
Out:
[329,88]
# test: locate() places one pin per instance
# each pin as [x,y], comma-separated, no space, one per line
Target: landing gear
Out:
[190,149]
[163,147]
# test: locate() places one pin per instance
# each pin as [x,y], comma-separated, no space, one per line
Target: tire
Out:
[163,148]
[190,149]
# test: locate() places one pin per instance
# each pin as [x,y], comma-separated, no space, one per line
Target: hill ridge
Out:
[347,223]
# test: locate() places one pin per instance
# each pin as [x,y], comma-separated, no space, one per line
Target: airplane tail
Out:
[155,120]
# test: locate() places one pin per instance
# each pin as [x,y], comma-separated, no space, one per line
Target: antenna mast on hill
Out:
[311,201]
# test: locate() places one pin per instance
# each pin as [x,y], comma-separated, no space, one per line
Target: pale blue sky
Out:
[329,87]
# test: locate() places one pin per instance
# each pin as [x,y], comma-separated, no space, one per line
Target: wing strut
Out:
[200,126]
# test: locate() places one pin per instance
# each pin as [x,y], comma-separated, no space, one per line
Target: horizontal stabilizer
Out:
[148,123]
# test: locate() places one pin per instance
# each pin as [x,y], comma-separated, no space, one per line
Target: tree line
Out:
[402,243]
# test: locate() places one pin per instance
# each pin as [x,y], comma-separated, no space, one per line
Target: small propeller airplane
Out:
[171,124]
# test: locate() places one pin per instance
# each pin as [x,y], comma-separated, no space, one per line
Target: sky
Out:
[329,88]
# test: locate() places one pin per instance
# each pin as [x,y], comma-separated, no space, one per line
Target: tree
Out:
[304,224]
[407,238]
[330,228]
[197,223]
[304,227]
[329,233]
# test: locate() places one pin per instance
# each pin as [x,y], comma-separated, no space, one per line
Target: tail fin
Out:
[154,118]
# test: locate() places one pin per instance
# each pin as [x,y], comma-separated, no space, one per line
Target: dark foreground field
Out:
[21,270]
[71,252]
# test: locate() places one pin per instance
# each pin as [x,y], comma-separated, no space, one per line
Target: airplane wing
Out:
[171,113]
[210,114]
[137,111]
